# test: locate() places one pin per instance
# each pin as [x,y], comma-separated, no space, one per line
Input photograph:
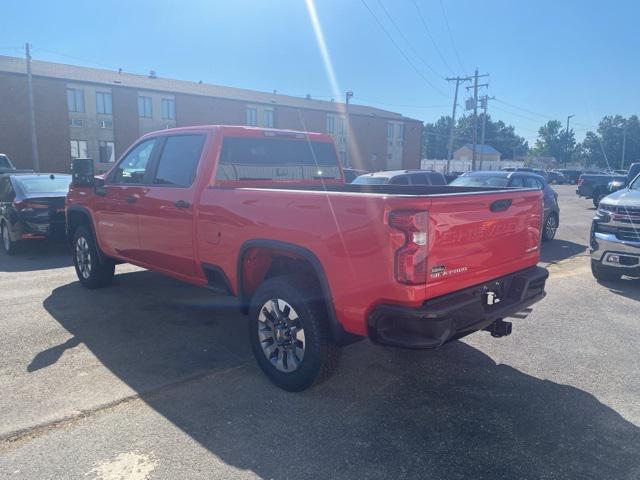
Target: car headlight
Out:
[604,212]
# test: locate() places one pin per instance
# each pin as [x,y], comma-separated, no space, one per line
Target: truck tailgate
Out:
[477,238]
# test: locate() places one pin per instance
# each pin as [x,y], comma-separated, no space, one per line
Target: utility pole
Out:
[347,97]
[624,145]
[566,147]
[32,113]
[475,113]
[484,103]
[453,118]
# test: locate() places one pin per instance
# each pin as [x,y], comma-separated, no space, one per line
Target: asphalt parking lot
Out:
[153,379]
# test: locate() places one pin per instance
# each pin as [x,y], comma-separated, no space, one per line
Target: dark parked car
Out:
[402,177]
[519,179]
[572,176]
[556,178]
[615,185]
[31,207]
[350,174]
[595,186]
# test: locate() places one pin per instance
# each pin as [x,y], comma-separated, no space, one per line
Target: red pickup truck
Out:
[265,215]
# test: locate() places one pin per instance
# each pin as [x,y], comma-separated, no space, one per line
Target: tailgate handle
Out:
[500,205]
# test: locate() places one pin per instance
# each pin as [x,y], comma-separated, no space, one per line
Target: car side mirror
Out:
[82,174]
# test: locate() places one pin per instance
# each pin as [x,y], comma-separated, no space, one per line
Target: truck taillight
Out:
[411,257]
[580,181]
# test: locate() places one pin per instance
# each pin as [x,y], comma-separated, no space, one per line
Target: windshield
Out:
[46,184]
[481,181]
[369,180]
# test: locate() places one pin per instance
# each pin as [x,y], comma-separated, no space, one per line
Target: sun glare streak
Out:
[324,51]
[354,150]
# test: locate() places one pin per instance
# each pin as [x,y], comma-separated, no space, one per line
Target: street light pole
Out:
[347,97]
[566,147]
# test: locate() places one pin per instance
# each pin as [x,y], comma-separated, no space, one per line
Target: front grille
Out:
[631,234]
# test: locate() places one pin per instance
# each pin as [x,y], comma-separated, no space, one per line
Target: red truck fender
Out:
[275,248]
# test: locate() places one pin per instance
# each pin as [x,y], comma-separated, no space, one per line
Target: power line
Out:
[453,44]
[404,55]
[433,42]
[404,37]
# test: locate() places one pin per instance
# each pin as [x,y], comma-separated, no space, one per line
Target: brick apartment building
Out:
[87,112]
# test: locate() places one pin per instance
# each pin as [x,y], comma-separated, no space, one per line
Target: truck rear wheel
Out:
[603,272]
[91,270]
[289,333]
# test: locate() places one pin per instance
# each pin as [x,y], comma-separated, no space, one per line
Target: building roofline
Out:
[113,78]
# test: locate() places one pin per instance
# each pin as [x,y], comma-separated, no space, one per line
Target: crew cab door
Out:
[166,210]
[116,211]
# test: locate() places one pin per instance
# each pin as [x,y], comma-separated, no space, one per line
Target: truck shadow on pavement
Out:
[558,250]
[37,255]
[451,413]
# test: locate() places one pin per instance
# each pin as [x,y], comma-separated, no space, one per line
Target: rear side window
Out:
[400,180]
[531,182]
[419,179]
[133,168]
[516,182]
[437,178]
[179,160]
[276,159]
[4,162]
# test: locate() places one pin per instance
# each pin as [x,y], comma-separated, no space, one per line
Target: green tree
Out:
[497,134]
[435,138]
[604,146]
[554,141]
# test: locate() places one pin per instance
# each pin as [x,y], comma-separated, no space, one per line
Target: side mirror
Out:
[82,173]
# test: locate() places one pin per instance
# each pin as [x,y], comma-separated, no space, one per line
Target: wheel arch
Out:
[266,256]
[76,216]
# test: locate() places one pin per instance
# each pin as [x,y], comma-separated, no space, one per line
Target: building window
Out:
[267,117]
[390,130]
[79,149]
[144,107]
[252,117]
[331,124]
[103,103]
[75,100]
[401,130]
[76,122]
[107,152]
[168,109]
[341,126]
[105,123]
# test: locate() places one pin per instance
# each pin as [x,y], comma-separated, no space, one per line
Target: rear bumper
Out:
[457,314]
[23,230]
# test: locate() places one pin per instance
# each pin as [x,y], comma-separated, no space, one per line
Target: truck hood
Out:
[624,197]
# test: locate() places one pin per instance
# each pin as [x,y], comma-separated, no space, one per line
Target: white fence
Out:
[440,165]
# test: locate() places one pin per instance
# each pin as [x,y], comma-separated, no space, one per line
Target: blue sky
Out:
[547,59]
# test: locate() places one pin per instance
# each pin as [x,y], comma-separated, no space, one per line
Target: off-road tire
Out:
[321,354]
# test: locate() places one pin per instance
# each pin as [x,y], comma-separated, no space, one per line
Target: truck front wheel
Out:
[91,270]
[289,333]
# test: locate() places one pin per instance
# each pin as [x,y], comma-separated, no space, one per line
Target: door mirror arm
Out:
[99,187]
